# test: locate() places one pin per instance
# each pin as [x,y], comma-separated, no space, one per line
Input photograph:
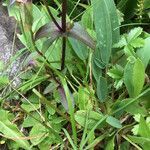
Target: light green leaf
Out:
[47,142]
[113,122]
[116,72]
[84,99]
[144,129]
[30,107]
[11,131]
[93,118]
[29,121]
[135,108]
[39,133]
[110,144]
[87,18]
[137,43]
[134,33]
[124,104]
[129,50]
[134,76]
[3,80]
[35,80]
[121,43]
[144,53]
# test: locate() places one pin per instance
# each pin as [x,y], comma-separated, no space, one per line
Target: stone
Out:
[9,45]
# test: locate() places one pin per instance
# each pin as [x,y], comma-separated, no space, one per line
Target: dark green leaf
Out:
[105,27]
[102,89]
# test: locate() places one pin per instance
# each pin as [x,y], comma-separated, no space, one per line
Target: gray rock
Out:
[8,47]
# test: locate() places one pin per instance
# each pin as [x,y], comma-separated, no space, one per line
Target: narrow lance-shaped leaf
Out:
[63,98]
[103,29]
[106,21]
[114,21]
[27,12]
[102,89]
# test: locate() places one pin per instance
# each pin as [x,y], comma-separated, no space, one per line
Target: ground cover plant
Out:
[85,83]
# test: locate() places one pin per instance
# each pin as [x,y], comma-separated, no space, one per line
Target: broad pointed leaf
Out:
[134,76]
[48,30]
[80,49]
[144,53]
[79,33]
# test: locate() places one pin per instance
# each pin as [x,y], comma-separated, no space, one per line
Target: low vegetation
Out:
[85,83]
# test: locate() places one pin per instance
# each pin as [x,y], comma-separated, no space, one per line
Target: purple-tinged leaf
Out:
[79,33]
[63,98]
[76,31]
[48,30]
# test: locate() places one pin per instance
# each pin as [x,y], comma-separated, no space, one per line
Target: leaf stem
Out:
[63,21]
[51,15]
[63,53]
[64,11]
